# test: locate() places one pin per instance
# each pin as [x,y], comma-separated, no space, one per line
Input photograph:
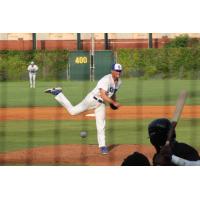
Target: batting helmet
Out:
[158,130]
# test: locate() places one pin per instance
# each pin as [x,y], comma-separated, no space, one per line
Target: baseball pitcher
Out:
[105,91]
[32,68]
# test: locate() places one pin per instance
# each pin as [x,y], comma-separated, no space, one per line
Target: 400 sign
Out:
[81,60]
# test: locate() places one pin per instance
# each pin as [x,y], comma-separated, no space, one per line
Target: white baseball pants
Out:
[86,104]
[32,77]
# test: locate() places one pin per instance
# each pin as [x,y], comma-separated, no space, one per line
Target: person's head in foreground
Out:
[136,159]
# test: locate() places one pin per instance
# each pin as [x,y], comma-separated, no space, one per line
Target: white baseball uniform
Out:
[93,101]
[32,74]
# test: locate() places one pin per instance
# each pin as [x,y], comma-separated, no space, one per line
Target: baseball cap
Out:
[117,67]
[32,62]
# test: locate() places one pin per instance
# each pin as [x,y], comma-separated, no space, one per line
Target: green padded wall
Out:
[103,62]
[79,64]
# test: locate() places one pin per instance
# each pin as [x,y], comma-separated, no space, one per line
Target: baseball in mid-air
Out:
[83,134]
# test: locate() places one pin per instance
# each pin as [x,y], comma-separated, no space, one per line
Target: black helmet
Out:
[158,130]
[136,159]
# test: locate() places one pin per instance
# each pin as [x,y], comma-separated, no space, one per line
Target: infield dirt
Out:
[125,112]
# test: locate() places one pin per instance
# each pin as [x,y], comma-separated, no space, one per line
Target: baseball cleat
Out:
[54,91]
[104,150]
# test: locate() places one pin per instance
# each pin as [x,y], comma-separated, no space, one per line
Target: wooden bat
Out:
[177,113]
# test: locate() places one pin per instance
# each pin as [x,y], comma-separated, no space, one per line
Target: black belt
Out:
[99,100]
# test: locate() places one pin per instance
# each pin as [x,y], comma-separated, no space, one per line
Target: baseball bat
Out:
[177,113]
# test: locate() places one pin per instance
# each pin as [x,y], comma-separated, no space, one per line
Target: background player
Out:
[105,91]
[32,68]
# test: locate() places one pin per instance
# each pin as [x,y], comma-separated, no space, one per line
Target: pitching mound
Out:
[74,155]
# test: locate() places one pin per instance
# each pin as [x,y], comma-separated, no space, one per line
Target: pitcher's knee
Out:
[73,112]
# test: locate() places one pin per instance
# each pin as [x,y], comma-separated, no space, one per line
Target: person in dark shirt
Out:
[158,131]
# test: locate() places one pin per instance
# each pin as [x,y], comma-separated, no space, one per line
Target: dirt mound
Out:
[74,154]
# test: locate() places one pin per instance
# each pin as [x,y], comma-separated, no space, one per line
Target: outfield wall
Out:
[54,41]
[71,45]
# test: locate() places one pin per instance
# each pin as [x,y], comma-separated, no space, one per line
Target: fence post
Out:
[79,47]
[106,44]
[34,41]
[150,40]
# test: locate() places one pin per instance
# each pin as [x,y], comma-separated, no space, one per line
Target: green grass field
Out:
[132,92]
[16,135]
[67,132]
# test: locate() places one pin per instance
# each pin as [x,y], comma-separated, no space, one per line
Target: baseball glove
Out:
[113,107]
